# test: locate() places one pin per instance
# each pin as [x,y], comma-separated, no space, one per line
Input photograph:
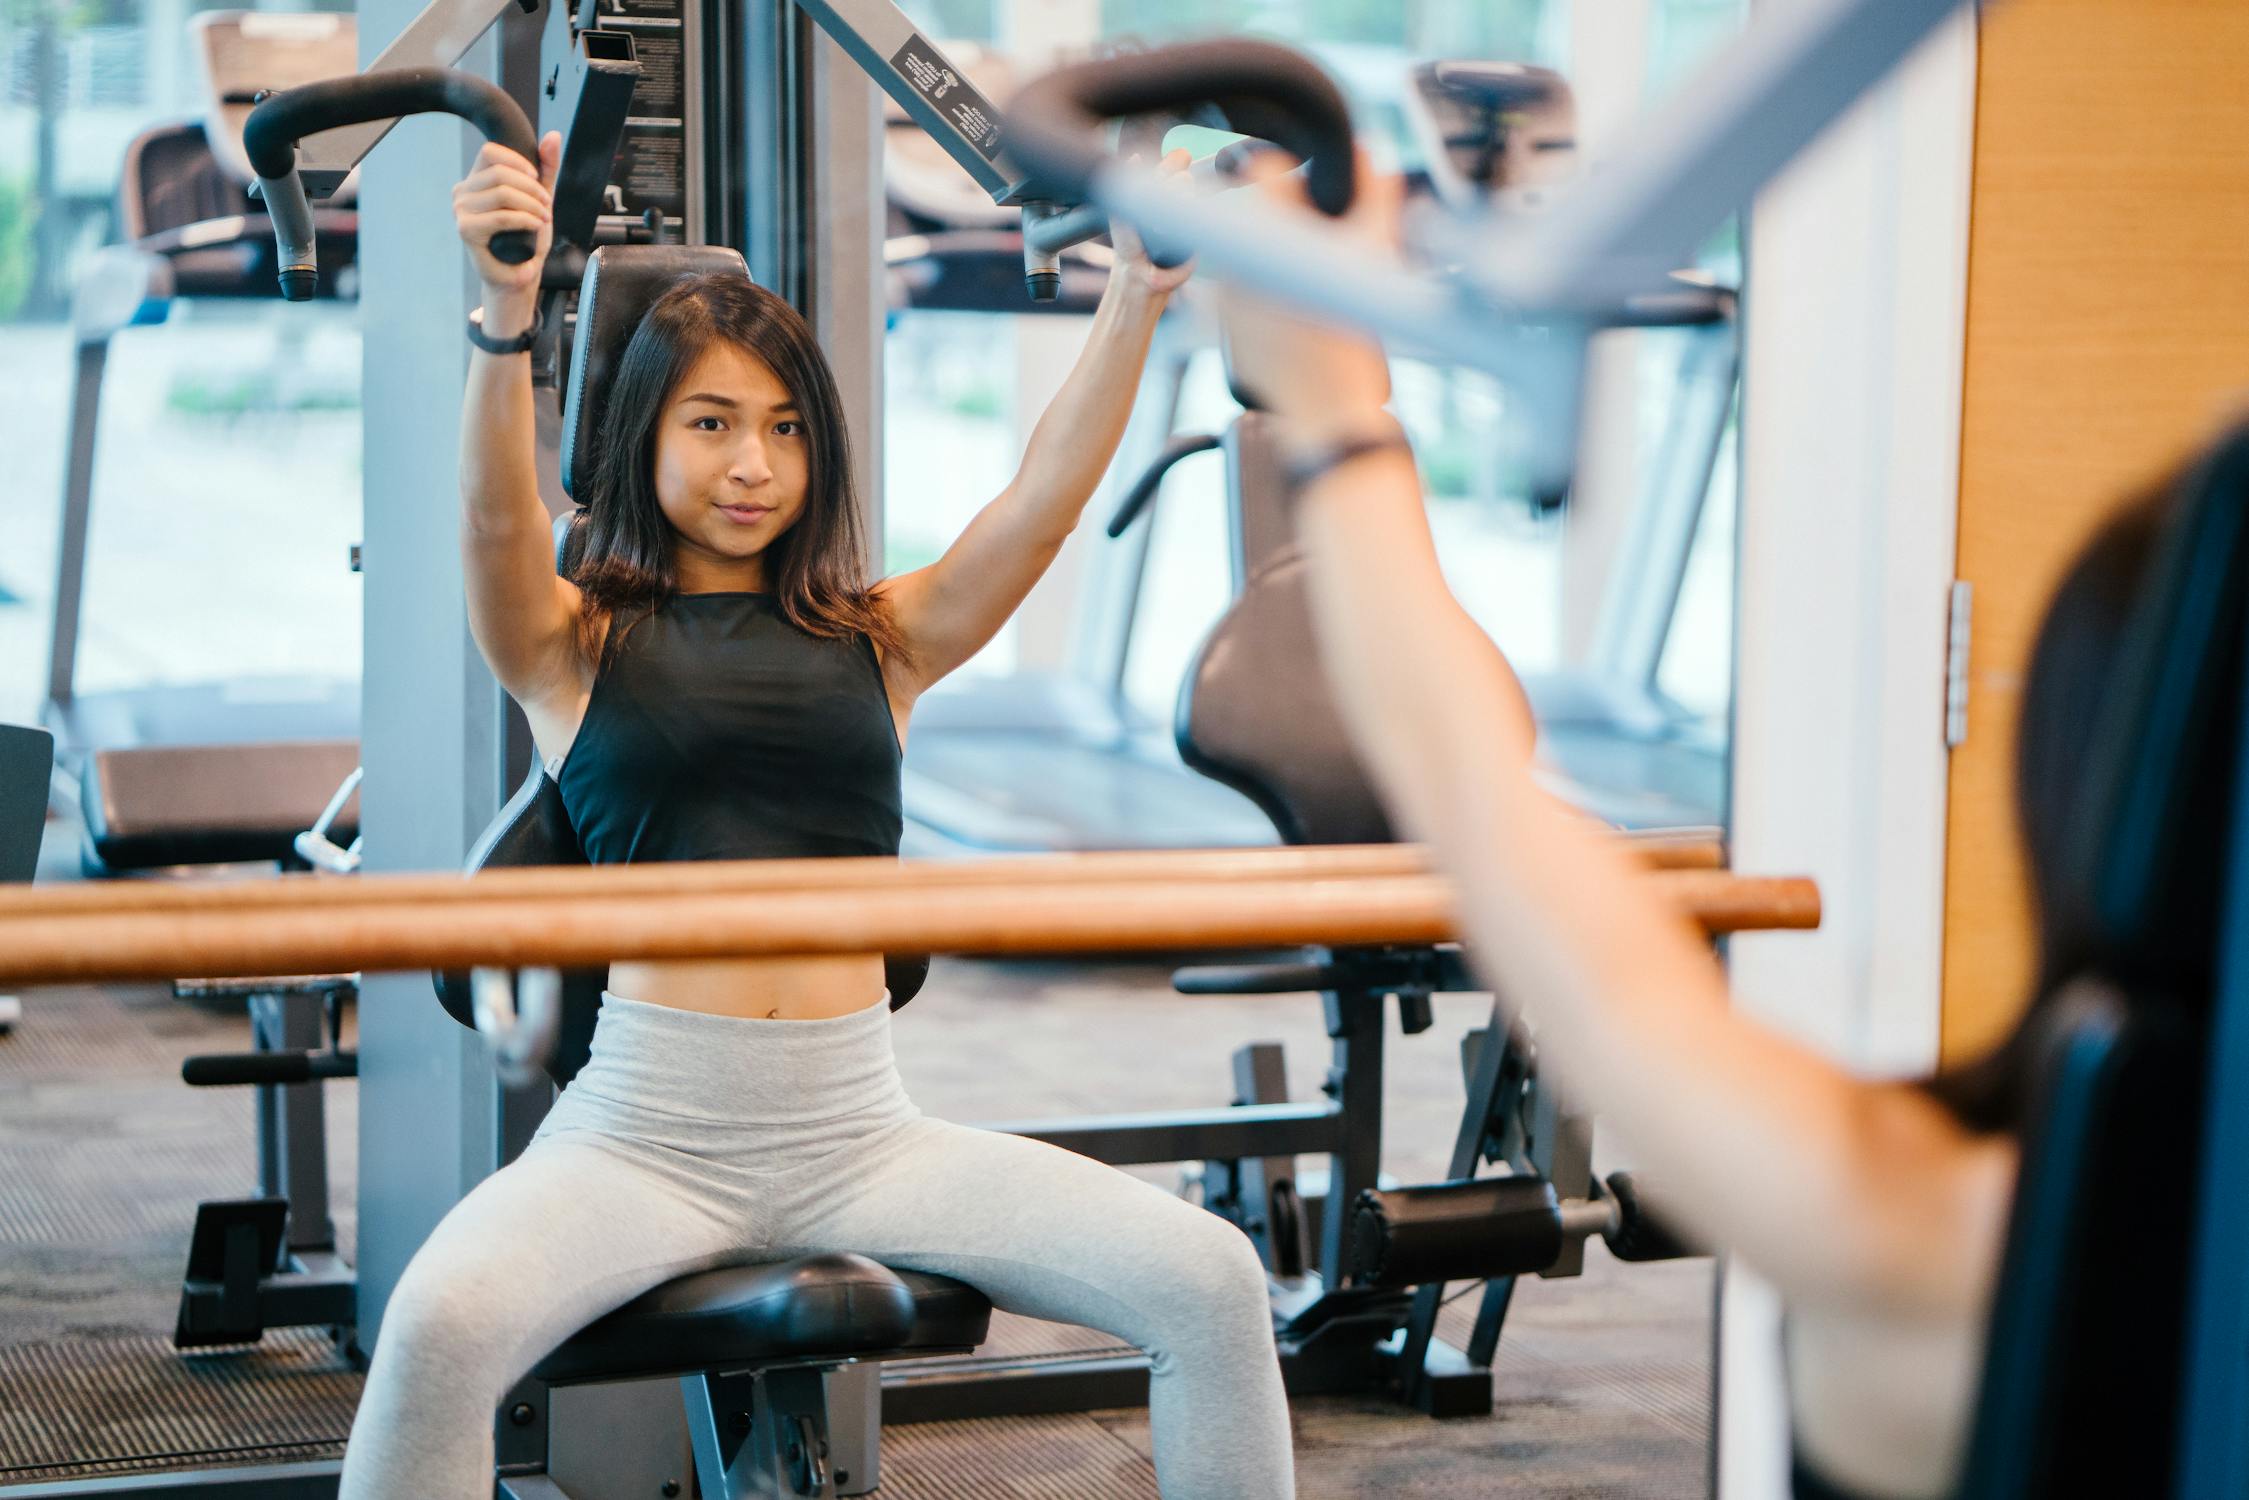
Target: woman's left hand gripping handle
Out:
[504,210]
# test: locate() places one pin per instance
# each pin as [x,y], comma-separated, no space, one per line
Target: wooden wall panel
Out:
[2107,331]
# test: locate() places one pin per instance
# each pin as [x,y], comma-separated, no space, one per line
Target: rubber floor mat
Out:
[99,1406]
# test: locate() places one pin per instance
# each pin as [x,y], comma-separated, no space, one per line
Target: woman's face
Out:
[733,457]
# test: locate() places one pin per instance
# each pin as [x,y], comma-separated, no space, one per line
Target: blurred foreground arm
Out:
[1856,1194]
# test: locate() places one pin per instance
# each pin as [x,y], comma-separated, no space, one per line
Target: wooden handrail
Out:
[1306,862]
[897,913]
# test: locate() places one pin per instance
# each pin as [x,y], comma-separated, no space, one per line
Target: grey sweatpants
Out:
[693,1140]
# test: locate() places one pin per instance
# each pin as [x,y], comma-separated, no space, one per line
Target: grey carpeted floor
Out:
[1602,1386]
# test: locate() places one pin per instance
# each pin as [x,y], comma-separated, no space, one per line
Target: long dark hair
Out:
[2073,668]
[620,550]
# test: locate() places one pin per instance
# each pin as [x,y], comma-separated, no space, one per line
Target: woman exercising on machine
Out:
[1878,1208]
[716,679]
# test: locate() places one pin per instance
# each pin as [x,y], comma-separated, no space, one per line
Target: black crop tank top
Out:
[718,730]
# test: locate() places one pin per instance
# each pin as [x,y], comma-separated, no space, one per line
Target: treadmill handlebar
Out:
[1266,90]
[271,133]
[1181,445]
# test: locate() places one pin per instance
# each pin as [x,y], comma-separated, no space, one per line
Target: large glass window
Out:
[948,417]
[1549,586]
[226,472]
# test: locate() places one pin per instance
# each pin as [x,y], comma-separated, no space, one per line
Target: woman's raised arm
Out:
[1856,1194]
[948,610]
[524,618]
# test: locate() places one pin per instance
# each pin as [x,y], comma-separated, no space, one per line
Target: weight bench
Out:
[775,1364]
[148,807]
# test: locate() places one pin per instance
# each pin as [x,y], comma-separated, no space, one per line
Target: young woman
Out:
[715,679]
[1878,1208]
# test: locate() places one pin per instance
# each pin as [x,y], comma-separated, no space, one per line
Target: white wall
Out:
[1040,34]
[1850,464]
[1608,73]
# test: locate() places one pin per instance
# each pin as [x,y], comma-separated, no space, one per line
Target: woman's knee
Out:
[1213,1273]
[447,1325]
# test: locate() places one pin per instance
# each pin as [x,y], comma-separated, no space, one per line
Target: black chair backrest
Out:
[27,760]
[2085,1370]
[1255,712]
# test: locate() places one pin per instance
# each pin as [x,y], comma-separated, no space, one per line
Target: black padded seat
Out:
[815,1308]
[948,1314]
[149,806]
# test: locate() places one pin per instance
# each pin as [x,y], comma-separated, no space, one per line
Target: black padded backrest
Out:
[621,283]
[1255,714]
[2083,1369]
[534,829]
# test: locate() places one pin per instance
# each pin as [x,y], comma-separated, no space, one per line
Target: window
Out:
[959,401]
[226,477]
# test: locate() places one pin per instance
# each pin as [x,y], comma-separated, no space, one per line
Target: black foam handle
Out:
[1455,1231]
[1273,92]
[225,1069]
[1639,1234]
[271,133]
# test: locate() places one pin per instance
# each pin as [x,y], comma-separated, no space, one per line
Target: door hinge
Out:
[1956,663]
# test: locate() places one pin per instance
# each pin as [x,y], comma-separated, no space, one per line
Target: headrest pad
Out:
[621,283]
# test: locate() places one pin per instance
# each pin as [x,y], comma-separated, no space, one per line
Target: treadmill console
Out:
[1494,133]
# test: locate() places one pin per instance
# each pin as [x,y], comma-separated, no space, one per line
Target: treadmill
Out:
[226,771]
[1038,761]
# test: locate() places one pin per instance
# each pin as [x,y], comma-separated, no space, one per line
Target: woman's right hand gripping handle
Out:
[504,192]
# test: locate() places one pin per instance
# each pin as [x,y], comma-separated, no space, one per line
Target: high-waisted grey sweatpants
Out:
[692,1140]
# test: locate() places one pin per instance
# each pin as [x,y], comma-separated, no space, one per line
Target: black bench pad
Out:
[815,1306]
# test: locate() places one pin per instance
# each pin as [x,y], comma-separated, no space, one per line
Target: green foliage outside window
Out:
[19,218]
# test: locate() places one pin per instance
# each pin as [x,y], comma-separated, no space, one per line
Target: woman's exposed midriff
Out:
[787,989]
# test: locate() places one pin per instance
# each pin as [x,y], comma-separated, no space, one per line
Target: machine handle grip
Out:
[1264,89]
[271,133]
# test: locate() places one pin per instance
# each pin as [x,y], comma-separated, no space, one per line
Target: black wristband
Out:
[520,344]
[1303,469]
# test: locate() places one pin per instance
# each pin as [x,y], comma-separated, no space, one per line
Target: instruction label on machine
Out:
[650,168]
[954,97]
